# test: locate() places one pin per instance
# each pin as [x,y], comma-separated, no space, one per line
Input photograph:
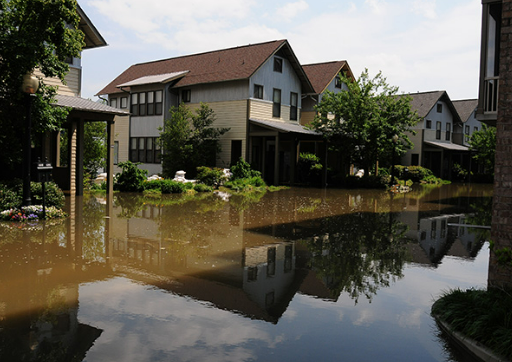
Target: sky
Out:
[418,45]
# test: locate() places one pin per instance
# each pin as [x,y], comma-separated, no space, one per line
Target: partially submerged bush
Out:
[243,170]
[211,176]
[11,194]
[131,177]
[309,168]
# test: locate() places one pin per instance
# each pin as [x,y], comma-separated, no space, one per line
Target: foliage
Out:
[189,140]
[11,194]
[484,316]
[202,188]
[246,184]
[309,168]
[211,176]
[460,172]
[369,182]
[483,144]
[95,147]
[34,34]
[131,177]
[242,169]
[361,122]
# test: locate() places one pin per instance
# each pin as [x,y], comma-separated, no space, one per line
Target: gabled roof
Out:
[465,107]
[321,74]
[424,102]
[93,38]
[216,66]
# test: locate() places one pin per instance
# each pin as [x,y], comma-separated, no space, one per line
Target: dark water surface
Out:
[295,275]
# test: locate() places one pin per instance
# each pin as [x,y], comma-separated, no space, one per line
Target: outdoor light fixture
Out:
[29,87]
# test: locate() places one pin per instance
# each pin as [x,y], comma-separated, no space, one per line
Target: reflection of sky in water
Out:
[142,323]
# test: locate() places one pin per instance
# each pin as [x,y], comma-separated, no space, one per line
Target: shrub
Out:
[242,169]
[172,187]
[9,198]
[202,188]
[415,173]
[53,194]
[131,178]
[211,176]
[309,168]
[246,184]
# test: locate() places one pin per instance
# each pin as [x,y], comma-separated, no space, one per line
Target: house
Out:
[495,108]
[69,176]
[255,90]
[438,140]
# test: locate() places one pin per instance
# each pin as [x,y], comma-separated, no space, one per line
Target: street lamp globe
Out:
[30,83]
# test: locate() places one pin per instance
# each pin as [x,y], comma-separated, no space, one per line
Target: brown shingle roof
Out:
[465,107]
[321,74]
[425,101]
[216,66]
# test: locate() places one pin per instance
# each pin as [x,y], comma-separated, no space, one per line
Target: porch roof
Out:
[284,127]
[82,104]
[153,79]
[447,145]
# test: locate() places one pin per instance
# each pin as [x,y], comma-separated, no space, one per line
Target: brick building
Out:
[495,108]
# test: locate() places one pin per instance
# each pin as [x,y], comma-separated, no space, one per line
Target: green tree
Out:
[95,147]
[34,34]
[483,144]
[360,122]
[189,140]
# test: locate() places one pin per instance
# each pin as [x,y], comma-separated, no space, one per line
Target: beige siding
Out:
[417,140]
[262,110]
[72,86]
[307,117]
[233,115]
[122,135]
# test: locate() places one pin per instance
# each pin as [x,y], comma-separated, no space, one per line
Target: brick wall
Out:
[502,209]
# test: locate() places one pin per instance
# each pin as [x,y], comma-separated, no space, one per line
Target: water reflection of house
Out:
[253,275]
[39,303]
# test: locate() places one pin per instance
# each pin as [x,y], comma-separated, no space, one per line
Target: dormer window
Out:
[278,65]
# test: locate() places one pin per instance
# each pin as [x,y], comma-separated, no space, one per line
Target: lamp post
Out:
[395,141]
[29,87]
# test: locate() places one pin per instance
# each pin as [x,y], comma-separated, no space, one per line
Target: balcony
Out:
[491,91]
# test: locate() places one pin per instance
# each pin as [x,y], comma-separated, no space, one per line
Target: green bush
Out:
[245,184]
[309,168]
[53,194]
[9,198]
[211,176]
[152,185]
[415,173]
[242,169]
[131,178]
[202,188]
[172,187]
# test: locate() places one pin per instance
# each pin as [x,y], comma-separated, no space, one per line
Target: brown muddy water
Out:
[294,275]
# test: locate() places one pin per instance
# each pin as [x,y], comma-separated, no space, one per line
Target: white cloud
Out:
[426,8]
[291,10]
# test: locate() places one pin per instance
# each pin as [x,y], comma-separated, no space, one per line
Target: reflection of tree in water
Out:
[93,224]
[361,253]
[481,215]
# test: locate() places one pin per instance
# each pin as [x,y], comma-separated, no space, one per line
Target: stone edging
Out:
[475,348]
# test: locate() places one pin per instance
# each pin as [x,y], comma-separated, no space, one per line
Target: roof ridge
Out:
[210,52]
[322,63]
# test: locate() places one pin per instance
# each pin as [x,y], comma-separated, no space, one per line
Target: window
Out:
[252,274]
[185,95]
[258,91]
[278,65]
[438,130]
[151,103]
[337,82]
[158,102]
[466,133]
[448,131]
[294,97]
[276,110]
[124,102]
[475,129]
[142,104]
[145,150]
[415,159]
[135,104]
[116,152]
[429,124]
[236,151]
[113,102]
[439,108]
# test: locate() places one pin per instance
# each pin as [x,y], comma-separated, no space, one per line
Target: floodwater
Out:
[294,275]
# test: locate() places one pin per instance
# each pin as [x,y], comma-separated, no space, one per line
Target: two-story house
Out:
[438,139]
[255,90]
[69,176]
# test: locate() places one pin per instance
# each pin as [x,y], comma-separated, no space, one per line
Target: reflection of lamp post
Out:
[29,86]
[395,140]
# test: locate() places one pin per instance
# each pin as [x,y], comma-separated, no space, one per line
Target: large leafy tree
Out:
[34,34]
[361,121]
[189,140]
[483,144]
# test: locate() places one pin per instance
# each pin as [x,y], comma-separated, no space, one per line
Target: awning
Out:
[447,145]
[284,127]
[154,79]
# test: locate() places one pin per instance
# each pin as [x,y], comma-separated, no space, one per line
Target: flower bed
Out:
[31,213]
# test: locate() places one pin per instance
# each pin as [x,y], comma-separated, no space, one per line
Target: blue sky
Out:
[419,45]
